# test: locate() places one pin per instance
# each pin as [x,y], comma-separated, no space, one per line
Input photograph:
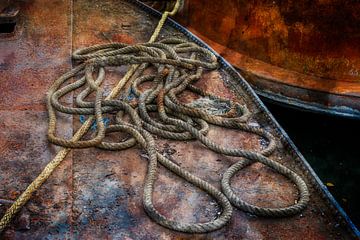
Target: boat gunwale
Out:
[290,101]
[305,106]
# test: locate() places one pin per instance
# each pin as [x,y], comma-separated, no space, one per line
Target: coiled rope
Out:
[172,66]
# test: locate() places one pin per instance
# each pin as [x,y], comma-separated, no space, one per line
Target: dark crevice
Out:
[7,27]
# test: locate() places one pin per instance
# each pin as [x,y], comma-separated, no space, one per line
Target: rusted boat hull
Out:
[97,194]
[305,54]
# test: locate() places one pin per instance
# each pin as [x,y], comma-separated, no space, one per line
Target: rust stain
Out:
[35,55]
[319,36]
[124,38]
[30,60]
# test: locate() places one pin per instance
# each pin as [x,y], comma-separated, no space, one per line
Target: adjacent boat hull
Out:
[302,53]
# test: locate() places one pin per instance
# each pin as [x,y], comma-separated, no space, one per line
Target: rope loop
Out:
[170,67]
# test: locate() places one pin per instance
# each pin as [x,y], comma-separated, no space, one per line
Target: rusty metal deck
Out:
[97,194]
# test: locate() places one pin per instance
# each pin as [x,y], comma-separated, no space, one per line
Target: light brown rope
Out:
[177,65]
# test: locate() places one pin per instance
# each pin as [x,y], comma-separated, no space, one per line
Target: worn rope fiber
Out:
[171,66]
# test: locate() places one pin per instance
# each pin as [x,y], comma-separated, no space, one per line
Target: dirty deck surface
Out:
[97,194]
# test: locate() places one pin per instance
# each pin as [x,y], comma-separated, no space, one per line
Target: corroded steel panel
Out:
[24,152]
[37,53]
[308,45]
[319,38]
[30,59]
[97,194]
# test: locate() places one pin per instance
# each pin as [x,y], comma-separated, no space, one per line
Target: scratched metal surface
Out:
[97,194]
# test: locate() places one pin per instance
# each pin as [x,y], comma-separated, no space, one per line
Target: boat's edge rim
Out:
[306,106]
[283,135]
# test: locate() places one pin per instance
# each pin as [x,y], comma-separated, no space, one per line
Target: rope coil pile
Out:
[172,66]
